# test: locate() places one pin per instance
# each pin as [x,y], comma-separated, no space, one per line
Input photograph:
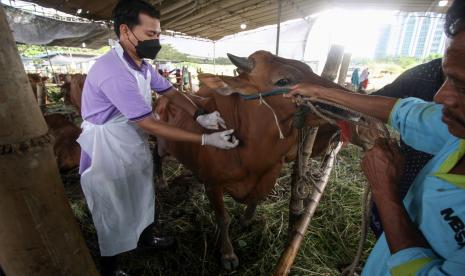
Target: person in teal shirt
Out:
[424,234]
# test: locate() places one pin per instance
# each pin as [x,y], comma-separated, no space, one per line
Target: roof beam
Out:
[265,20]
[170,7]
[268,12]
[211,10]
[257,12]
[240,8]
[179,13]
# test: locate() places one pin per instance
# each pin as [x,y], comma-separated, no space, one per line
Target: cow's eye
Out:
[283,82]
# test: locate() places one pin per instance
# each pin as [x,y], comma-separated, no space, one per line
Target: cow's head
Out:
[262,72]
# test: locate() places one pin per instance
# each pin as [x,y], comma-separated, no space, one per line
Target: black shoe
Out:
[120,273]
[151,242]
[109,267]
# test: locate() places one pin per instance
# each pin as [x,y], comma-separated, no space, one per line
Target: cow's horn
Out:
[242,63]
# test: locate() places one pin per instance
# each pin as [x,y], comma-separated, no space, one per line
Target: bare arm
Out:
[376,106]
[168,132]
[383,166]
[400,232]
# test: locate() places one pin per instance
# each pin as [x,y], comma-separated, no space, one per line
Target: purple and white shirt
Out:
[110,89]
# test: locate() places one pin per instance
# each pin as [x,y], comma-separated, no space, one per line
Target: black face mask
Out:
[147,48]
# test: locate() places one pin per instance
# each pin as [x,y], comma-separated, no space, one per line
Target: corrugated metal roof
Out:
[214,19]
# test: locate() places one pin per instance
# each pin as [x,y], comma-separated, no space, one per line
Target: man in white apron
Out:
[116,163]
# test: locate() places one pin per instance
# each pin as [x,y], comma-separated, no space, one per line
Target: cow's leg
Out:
[249,213]
[229,259]
[161,183]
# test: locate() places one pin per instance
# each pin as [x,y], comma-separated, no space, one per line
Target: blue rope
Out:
[274,92]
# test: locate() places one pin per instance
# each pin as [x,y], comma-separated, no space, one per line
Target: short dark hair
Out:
[455,18]
[127,12]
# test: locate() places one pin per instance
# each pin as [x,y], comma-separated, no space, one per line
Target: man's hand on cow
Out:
[211,121]
[307,90]
[383,167]
[222,139]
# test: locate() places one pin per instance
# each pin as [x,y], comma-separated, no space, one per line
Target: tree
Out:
[168,52]
[34,50]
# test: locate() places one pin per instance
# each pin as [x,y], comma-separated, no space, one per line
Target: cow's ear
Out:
[215,83]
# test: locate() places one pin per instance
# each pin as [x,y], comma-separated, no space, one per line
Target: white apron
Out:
[118,185]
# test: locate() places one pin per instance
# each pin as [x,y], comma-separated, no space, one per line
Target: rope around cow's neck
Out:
[262,101]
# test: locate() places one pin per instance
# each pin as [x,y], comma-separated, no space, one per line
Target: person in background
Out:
[178,76]
[363,80]
[166,74]
[355,80]
[185,77]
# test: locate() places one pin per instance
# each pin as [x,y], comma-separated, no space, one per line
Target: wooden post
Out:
[287,258]
[39,234]
[333,62]
[344,68]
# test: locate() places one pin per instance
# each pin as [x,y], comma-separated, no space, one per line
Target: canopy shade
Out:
[214,19]
[30,28]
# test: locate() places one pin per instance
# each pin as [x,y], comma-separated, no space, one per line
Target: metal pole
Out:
[214,57]
[279,26]
[51,67]
[73,64]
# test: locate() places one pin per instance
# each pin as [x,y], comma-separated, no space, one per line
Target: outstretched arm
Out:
[376,106]
[222,139]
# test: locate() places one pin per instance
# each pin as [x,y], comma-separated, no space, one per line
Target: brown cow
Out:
[248,173]
[72,90]
[34,80]
[67,150]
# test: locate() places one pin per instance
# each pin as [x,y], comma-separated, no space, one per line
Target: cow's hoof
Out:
[229,261]
[245,222]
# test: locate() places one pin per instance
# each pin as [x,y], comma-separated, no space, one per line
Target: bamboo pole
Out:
[298,194]
[287,258]
[39,234]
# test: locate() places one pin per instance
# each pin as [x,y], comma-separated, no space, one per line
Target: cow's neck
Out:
[249,117]
[261,115]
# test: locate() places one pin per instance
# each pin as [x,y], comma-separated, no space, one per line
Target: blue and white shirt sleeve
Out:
[420,124]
